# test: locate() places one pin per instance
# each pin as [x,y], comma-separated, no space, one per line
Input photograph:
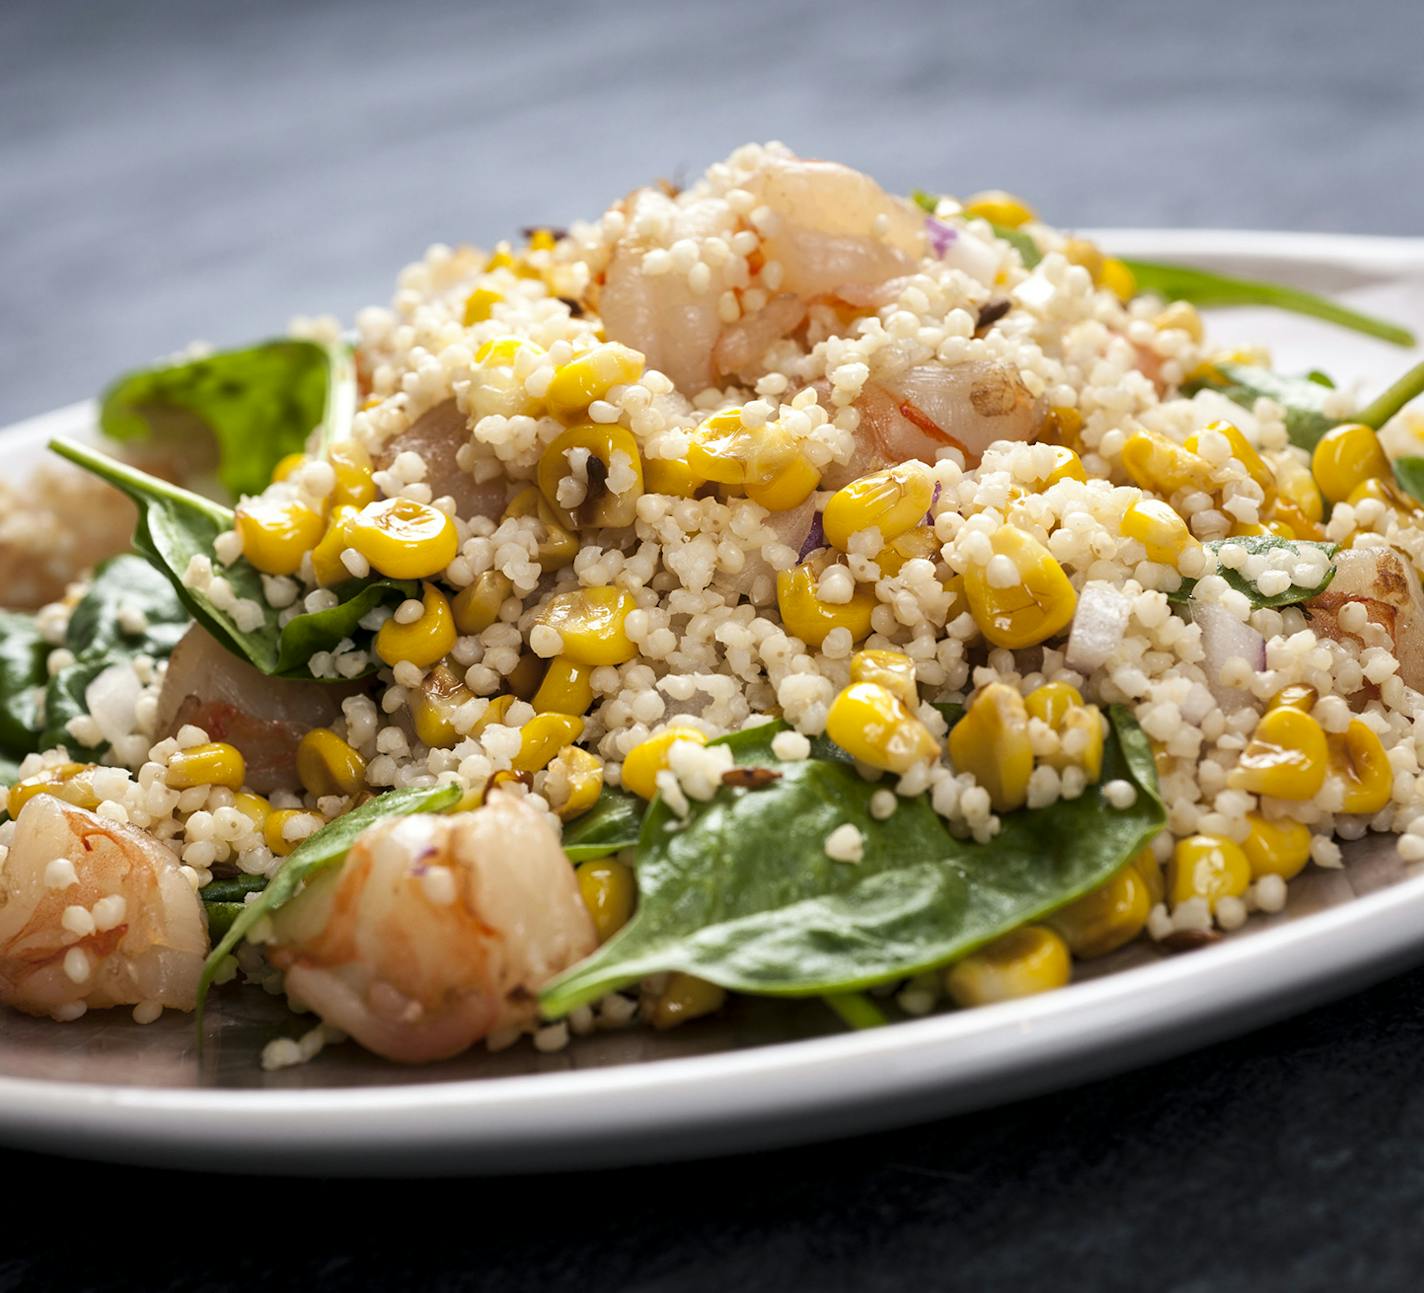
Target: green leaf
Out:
[927,202]
[1303,400]
[122,585]
[233,889]
[611,825]
[1025,246]
[743,894]
[23,652]
[175,525]
[1409,472]
[1254,545]
[856,1009]
[1210,290]
[260,404]
[9,773]
[319,852]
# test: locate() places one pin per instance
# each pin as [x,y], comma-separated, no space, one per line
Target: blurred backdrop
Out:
[179,169]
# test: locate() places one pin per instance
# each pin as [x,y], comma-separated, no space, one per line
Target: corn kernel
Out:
[1081,251]
[1118,279]
[921,542]
[684,998]
[893,670]
[566,687]
[425,640]
[542,737]
[1158,528]
[557,546]
[1344,457]
[1050,702]
[326,765]
[1296,695]
[1211,867]
[1394,498]
[591,622]
[724,449]
[1000,208]
[1027,961]
[1244,452]
[479,305]
[524,679]
[1066,466]
[589,376]
[327,566]
[214,764]
[1296,485]
[354,485]
[71,782]
[1183,316]
[670,476]
[288,465]
[497,380]
[575,782]
[1285,758]
[404,539]
[433,705]
[1064,426]
[872,725]
[894,500]
[477,607]
[789,488]
[610,893]
[1157,463]
[495,713]
[1276,847]
[810,619]
[1149,871]
[991,741]
[1103,920]
[649,757]
[1038,606]
[276,533]
[1359,762]
[273,828]
[601,507]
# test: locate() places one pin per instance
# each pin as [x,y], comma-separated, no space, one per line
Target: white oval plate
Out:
[767,1073]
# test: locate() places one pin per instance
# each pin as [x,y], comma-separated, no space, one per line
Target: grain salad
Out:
[772,587]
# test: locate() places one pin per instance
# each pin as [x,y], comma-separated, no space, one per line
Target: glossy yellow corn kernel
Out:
[1362,768]
[610,893]
[476,607]
[1183,316]
[805,616]
[557,546]
[423,641]
[542,240]
[649,757]
[593,624]
[1052,701]
[1394,498]
[574,782]
[326,765]
[287,465]
[542,737]
[1064,426]
[273,828]
[327,566]
[724,449]
[1243,451]
[404,539]
[1038,604]
[789,488]
[1344,457]
[1102,921]
[670,476]
[589,376]
[1296,695]
[1079,727]
[991,742]
[479,305]
[71,782]
[1287,520]
[921,542]
[601,506]
[1207,866]
[524,679]
[495,713]
[1028,960]
[254,807]
[685,997]
[354,486]
[1285,758]
[215,763]
[1067,466]
[893,501]
[1276,848]
[893,670]
[872,725]
[1149,871]
[998,207]
[1296,485]
[1080,251]
[433,705]
[276,533]
[1156,463]
[1159,529]
[1118,279]
[566,688]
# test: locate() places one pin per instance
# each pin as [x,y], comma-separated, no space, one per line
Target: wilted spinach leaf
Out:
[1256,544]
[610,825]
[22,677]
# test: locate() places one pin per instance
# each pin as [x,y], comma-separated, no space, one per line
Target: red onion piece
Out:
[940,234]
[815,538]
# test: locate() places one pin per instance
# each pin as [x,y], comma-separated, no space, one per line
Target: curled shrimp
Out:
[95,914]
[437,931]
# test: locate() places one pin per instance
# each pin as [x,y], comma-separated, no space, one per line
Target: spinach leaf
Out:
[260,404]
[1409,472]
[64,700]
[23,652]
[742,892]
[1254,545]
[1210,290]
[176,525]
[319,852]
[222,916]
[233,889]
[1025,246]
[610,825]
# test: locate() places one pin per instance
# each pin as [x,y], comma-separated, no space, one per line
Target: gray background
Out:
[170,171]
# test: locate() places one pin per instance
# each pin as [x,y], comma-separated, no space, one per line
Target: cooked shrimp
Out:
[437,436]
[437,930]
[95,914]
[1385,584]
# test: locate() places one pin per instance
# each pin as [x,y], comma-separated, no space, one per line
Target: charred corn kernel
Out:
[1285,758]
[1362,768]
[1207,866]
[524,679]
[871,724]
[277,533]
[1028,960]
[557,546]
[991,742]
[1067,466]
[1183,316]
[480,303]
[1039,604]
[1102,921]
[893,670]
[327,566]
[273,828]
[724,449]
[649,757]
[215,763]
[566,687]
[1157,463]
[404,539]
[1149,871]
[1344,457]
[610,893]
[1117,278]
[592,623]
[542,737]
[1297,695]
[495,713]
[477,607]
[1064,426]
[686,997]
[287,465]
[893,501]
[920,542]
[789,488]
[998,207]
[423,641]
[1276,848]
[1243,451]
[1296,485]
[809,618]
[1080,251]
[670,476]
[352,467]
[589,376]
[71,782]
[1159,529]
[616,452]
[1051,702]
[575,782]
[326,765]
[433,705]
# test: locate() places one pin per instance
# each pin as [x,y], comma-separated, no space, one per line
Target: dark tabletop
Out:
[179,170]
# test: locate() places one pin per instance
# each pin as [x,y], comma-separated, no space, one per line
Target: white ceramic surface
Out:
[766,1074]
